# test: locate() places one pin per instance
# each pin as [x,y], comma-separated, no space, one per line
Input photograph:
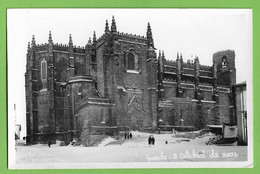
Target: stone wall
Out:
[80,64]
[169,90]
[224,107]
[44,122]
[190,112]
[92,115]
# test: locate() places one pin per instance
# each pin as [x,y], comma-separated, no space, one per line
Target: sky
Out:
[192,32]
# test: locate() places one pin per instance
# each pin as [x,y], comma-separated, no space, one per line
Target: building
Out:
[18,129]
[239,91]
[118,81]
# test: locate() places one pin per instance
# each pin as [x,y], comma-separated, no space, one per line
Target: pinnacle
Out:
[70,41]
[50,37]
[113,25]
[94,37]
[107,27]
[28,48]
[162,54]
[89,40]
[33,41]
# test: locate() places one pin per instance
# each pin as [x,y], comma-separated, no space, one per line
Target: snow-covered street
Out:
[133,150]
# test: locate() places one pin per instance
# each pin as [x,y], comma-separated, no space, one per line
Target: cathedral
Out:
[118,83]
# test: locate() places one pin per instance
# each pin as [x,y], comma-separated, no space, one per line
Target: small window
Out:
[44,74]
[224,62]
[131,61]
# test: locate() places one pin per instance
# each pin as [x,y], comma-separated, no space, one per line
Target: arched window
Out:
[44,74]
[224,62]
[131,61]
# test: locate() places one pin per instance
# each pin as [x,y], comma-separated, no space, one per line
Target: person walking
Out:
[152,140]
[130,135]
[49,143]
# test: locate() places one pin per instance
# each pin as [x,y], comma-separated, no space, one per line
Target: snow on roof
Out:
[215,126]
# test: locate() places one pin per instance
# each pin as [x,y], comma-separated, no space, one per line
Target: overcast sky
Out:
[200,32]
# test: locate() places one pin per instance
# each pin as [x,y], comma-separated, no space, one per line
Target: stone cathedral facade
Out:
[118,81]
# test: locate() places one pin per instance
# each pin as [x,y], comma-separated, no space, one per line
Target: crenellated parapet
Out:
[131,35]
[188,68]
[206,68]
[170,63]
[188,65]
[124,37]
[78,49]
[205,84]
[169,80]
[131,38]
[60,47]
[224,52]
[187,82]
[41,47]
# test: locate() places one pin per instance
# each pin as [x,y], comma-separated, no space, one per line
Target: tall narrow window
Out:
[44,74]
[131,61]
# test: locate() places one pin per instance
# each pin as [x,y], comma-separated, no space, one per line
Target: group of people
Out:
[151,140]
[128,135]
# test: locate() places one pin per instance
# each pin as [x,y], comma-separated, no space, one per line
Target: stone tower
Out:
[225,75]
[226,71]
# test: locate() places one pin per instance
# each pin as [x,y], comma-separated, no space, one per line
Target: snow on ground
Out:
[106,141]
[20,142]
[133,150]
